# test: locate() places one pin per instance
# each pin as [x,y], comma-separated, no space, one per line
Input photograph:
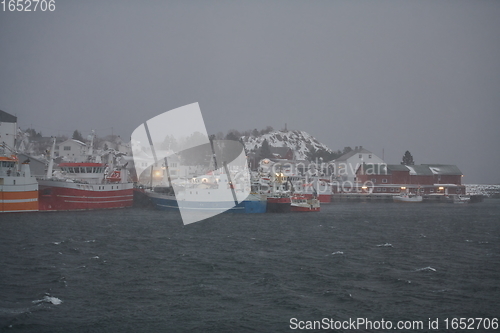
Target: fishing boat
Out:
[84,186]
[301,203]
[407,197]
[205,194]
[314,188]
[216,189]
[461,199]
[278,202]
[278,197]
[18,189]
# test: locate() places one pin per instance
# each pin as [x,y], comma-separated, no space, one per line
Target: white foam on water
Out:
[48,299]
[338,252]
[426,269]
[385,245]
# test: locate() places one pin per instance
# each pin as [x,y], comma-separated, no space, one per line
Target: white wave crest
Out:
[49,299]
[426,269]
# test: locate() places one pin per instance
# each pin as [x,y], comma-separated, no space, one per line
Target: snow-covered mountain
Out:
[302,143]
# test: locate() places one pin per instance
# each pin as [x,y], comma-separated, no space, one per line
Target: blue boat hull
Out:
[246,206]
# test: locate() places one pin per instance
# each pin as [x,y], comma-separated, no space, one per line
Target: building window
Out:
[431,190]
[67,147]
[360,155]
[374,180]
[384,190]
[384,180]
[370,156]
[378,189]
[392,190]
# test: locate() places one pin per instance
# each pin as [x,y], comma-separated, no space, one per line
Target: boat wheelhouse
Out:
[18,189]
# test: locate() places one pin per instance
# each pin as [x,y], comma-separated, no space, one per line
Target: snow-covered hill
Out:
[302,143]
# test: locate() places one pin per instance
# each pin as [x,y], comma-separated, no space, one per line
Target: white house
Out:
[72,150]
[345,166]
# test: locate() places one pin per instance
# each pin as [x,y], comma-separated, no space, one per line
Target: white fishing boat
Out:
[407,197]
[461,199]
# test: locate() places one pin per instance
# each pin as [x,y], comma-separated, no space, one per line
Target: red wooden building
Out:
[424,178]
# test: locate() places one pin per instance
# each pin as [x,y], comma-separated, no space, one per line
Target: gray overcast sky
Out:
[422,76]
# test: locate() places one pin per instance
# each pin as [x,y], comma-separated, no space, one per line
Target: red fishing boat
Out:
[302,203]
[84,186]
[278,203]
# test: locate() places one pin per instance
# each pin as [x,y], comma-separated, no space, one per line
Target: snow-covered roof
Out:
[352,153]
[419,170]
[73,140]
[443,169]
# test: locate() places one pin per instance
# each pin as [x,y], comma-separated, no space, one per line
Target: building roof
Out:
[7,117]
[444,169]
[414,170]
[75,141]
[352,153]
[419,170]
[397,167]
[282,151]
[373,168]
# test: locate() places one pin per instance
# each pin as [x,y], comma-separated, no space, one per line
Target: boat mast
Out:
[51,158]
[212,137]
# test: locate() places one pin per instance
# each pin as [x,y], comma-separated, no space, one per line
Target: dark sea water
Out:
[140,270]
